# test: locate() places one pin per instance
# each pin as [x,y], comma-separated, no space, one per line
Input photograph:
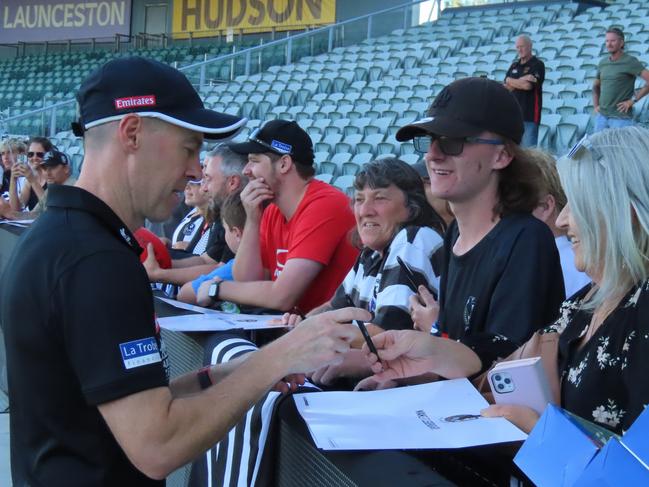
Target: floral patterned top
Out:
[605,381]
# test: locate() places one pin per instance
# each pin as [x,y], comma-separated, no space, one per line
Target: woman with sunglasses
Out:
[27,194]
[603,342]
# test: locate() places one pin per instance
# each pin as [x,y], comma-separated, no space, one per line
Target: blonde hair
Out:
[550,181]
[13,145]
[606,183]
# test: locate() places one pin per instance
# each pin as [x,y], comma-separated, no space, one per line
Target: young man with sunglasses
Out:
[501,277]
[295,253]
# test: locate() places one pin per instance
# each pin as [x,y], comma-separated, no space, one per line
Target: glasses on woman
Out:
[40,155]
[584,145]
[450,146]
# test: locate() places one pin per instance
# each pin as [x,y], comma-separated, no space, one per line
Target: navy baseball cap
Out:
[280,137]
[54,158]
[467,107]
[150,89]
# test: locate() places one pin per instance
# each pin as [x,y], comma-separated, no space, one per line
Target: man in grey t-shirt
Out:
[613,88]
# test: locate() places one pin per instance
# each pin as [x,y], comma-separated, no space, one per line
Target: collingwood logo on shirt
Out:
[469,306]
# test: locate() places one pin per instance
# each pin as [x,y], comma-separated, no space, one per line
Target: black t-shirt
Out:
[217,248]
[531,101]
[80,331]
[497,294]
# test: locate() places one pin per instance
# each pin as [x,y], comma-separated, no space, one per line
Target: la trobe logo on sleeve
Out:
[140,352]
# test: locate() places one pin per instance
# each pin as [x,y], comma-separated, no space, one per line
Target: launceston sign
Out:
[48,20]
[206,17]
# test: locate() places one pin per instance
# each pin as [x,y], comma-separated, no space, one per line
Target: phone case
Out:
[520,382]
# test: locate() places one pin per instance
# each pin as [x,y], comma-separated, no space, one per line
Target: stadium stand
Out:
[352,99]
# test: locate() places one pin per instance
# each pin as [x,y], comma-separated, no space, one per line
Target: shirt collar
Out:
[72,197]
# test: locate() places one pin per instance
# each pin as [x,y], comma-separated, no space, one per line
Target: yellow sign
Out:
[204,18]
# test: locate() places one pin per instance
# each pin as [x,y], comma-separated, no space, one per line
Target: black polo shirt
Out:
[531,101]
[78,317]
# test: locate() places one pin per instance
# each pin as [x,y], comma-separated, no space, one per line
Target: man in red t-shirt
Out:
[296,253]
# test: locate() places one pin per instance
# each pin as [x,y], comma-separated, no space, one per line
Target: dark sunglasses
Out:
[451,146]
[37,154]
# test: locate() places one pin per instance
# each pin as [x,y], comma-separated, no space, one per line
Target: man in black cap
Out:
[89,390]
[302,235]
[501,277]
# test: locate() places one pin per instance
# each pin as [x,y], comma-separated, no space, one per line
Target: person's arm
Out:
[192,261]
[626,105]
[410,353]
[520,83]
[596,92]
[14,199]
[160,432]
[281,294]
[249,265]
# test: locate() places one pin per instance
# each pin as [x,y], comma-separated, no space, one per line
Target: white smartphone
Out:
[520,382]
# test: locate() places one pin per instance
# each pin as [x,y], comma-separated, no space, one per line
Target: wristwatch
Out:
[213,291]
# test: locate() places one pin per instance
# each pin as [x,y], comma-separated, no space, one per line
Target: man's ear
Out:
[233,183]
[503,159]
[129,132]
[546,209]
[285,164]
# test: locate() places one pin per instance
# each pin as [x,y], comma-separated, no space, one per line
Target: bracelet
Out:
[204,378]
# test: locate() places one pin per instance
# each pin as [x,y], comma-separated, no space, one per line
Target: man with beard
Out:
[222,175]
[296,252]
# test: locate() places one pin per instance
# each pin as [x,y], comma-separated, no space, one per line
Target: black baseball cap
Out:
[281,137]
[150,89]
[467,107]
[54,158]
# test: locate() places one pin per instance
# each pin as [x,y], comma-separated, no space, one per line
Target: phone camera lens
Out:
[497,377]
[500,387]
[508,381]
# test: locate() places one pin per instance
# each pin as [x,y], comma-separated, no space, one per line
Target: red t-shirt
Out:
[317,231]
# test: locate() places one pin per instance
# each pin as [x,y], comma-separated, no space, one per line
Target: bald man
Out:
[524,79]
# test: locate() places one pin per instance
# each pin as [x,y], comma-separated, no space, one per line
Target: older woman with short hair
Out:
[393,221]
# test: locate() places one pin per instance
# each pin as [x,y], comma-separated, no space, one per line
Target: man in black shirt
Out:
[524,79]
[501,277]
[90,396]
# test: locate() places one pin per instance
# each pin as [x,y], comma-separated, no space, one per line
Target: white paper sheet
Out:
[414,417]
[219,321]
[18,223]
[188,307]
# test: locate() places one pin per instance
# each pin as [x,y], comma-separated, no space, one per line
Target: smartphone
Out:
[413,279]
[22,159]
[521,382]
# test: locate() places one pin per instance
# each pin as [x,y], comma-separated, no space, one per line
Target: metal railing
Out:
[257,59]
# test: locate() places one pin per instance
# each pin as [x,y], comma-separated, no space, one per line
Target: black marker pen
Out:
[364,332]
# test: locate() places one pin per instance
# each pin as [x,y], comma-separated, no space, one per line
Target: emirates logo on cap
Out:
[135,102]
